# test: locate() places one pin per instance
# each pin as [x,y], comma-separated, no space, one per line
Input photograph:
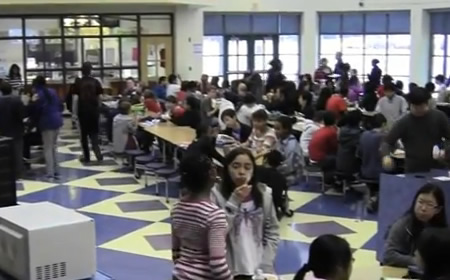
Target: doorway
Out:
[249,54]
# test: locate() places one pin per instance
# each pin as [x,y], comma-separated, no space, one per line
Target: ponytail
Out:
[302,272]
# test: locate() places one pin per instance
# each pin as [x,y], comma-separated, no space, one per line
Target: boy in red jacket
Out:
[323,146]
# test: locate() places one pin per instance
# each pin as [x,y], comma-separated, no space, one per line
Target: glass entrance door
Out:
[263,53]
[249,54]
[238,59]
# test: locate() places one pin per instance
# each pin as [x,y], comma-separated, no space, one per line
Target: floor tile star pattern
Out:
[133,222]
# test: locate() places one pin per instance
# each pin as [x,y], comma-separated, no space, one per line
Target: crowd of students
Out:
[230,228]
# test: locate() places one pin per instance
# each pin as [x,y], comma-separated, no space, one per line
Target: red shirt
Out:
[152,105]
[336,104]
[324,142]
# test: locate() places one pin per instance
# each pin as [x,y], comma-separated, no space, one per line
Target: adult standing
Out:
[375,74]
[419,131]
[12,113]
[339,67]
[89,92]
[50,121]
[15,79]
[275,77]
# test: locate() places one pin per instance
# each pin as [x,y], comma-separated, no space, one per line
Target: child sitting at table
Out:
[152,106]
[290,149]
[205,142]
[323,147]
[244,113]
[192,116]
[369,152]
[234,128]
[270,175]
[263,138]
[124,126]
[173,108]
[348,143]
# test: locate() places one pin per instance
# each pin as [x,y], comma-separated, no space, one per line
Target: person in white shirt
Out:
[311,126]
[173,87]
[391,105]
[245,112]
[441,89]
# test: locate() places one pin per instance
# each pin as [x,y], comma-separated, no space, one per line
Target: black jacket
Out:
[189,118]
[348,143]
[375,76]
[12,113]
[244,133]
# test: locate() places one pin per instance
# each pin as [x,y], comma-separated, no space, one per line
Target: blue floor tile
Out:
[291,256]
[151,190]
[66,157]
[371,244]
[70,197]
[125,266]
[108,228]
[350,206]
[67,174]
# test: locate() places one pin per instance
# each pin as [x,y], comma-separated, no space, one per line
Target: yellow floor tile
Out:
[109,207]
[33,186]
[136,243]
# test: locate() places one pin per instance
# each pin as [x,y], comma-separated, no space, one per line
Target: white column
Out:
[420,46]
[188,42]
[309,41]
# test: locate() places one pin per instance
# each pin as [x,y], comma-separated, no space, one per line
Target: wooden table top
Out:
[180,136]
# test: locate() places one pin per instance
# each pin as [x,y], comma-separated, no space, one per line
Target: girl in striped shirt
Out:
[15,79]
[199,227]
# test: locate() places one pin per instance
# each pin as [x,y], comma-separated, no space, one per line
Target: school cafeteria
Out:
[224,140]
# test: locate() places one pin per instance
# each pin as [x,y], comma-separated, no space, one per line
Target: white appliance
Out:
[43,241]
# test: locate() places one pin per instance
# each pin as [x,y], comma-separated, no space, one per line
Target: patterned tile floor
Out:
[133,224]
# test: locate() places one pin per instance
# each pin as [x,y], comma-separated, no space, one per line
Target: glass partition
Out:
[57,46]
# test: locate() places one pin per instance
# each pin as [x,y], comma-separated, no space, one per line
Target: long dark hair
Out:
[11,73]
[324,95]
[228,186]
[434,249]
[439,220]
[326,254]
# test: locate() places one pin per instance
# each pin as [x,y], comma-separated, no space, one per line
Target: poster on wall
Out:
[198,49]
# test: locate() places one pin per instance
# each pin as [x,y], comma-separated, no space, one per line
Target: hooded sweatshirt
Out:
[348,143]
[253,233]
[308,131]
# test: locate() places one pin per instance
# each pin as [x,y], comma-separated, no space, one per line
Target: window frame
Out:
[64,36]
[340,33]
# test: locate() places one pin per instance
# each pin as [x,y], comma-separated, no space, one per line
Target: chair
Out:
[140,162]
[165,174]
[150,169]
[311,169]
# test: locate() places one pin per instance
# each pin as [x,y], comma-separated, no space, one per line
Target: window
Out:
[440,51]
[237,43]
[56,46]
[362,37]
[213,55]
[288,49]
